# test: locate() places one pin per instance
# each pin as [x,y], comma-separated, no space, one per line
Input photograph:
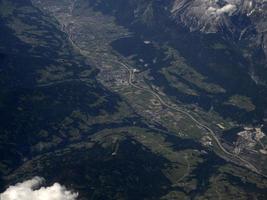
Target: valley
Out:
[137,119]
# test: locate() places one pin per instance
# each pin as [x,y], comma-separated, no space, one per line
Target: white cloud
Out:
[229,8]
[32,190]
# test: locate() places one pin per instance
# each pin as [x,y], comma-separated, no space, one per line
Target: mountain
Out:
[132,99]
[238,66]
[244,22]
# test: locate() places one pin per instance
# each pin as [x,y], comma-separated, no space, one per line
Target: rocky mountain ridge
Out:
[242,21]
[213,15]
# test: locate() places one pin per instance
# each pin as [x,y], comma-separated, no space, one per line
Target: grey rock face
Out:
[211,15]
[244,20]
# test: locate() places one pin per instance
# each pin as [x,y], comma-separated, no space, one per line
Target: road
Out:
[130,81]
[187,169]
[245,162]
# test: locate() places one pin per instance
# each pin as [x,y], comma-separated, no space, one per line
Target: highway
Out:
[130,81]
[245,162]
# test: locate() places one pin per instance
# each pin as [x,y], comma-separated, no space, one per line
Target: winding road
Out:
[245,162]
[130,81]
[187,169]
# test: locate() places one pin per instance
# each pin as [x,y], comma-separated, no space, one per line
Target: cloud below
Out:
[32,190]
[229,8]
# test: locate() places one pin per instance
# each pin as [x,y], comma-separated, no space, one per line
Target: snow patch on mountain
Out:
[210,15]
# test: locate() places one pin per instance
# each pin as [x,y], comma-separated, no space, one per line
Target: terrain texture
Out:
[135,99]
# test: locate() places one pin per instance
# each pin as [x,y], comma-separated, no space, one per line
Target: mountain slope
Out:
[243,22]
[88,89]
